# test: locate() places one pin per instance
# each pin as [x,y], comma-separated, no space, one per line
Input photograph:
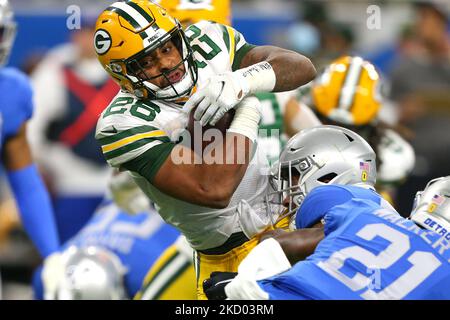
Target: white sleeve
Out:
[265,260]
[124,137]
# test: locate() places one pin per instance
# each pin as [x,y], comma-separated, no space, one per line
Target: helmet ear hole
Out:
[349,138]
[327,178]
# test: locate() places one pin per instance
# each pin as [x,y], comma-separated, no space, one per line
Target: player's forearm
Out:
[211,179]
[220,180]
[236,150]
[291,69]
[300,244]
[224,163]
[35,208]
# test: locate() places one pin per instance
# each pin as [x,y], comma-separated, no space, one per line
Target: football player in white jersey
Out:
[163,278]
[159,67]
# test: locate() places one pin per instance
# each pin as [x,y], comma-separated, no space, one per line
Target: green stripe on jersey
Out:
[148,163]
[240,54]
[226,36]
[130,147]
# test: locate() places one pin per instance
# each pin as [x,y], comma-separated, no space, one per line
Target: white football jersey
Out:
[131,129]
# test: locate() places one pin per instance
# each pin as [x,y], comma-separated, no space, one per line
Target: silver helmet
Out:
[431,208]
[322,155]
[92,273]
[7,31]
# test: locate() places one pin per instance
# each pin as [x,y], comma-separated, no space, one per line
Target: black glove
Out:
[214,286]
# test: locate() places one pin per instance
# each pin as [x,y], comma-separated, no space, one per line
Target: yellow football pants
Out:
[228,262]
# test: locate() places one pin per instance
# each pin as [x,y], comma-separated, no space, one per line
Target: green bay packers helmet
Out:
[431,208]
[347,92]
[7,31]
[127,32]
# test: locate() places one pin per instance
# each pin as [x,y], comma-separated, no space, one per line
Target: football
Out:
[197,132]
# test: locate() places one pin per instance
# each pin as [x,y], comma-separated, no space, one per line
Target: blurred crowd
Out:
[71,87]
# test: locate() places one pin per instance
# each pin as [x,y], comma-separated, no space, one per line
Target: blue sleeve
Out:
[17,105]
[21,95]
[35,208]
[38,286]
[27,102]
[278,291]
[318,202]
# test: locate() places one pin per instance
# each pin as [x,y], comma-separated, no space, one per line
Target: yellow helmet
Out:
[347,92]
[128,31]
[193,11]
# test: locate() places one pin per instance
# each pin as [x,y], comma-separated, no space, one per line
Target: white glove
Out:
[265,260]
[241,288]
[52,275]
[224,91]
[220,94]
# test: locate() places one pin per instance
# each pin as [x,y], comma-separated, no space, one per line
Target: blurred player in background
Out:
[125,229]
[366,250]
[157,77]
[16,108]
[192,11]
[348,93]
[71,90]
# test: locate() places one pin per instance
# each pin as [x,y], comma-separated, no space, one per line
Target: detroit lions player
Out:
[16,108]
[368,251]
[431,208]
[130,232]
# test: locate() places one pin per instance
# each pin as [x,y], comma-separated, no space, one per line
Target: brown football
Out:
[197,132]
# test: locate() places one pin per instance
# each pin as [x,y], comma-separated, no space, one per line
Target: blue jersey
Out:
[16,105]
[369,252]
[138,240]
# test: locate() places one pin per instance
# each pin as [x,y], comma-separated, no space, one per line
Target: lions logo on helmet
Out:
[92,273]
[348,91]
[129,32]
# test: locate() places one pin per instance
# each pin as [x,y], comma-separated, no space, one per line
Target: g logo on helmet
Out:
[102,41]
